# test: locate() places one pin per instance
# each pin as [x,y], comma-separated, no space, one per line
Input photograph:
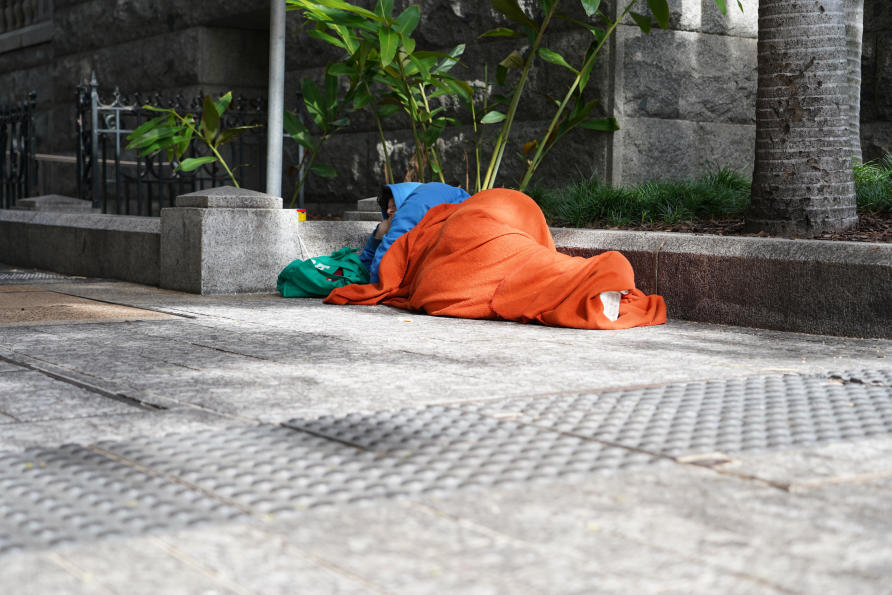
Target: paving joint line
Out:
[111,303]
[324,563]
[77,572]
[115,396]
[492,532]
[189,560]
[147,405]
[172,478]
[615,389]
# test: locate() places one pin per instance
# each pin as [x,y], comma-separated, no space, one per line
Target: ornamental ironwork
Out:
[119,181]
[17,166]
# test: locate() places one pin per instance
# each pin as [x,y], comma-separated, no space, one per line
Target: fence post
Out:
[94,142]
[28,140]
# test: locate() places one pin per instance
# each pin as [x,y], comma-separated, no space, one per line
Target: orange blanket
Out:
[493,257]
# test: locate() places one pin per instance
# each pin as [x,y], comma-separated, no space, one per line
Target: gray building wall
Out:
[684,97]
[876,80]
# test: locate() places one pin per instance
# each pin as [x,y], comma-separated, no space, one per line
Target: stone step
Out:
[368,204]
[362,216]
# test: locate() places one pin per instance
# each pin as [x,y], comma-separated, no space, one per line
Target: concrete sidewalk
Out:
[161,442]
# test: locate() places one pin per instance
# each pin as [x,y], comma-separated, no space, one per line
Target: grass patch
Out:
[873,186]
[720,193]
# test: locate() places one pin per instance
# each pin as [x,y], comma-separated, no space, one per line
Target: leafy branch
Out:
[173,133]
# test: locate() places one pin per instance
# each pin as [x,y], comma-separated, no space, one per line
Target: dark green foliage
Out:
[873,186]
[720,192]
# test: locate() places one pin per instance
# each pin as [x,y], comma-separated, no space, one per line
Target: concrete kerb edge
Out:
[840,286]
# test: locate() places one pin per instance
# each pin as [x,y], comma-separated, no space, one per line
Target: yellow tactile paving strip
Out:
[27,305]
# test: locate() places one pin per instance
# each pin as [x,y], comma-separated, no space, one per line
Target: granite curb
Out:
[813,286]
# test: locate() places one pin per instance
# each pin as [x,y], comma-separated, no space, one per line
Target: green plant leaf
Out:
[408,43]
[329,39]
[408,20]
[146,126]
[512,10]
[193,163]
[555,58]
[183,143]
[361,99]
[512,60]
[644,22]
[388,110]
[493,117]
[384,8]
[388,41]
[347,7]
[590,6]
[223,103]
[421,67]
[230,133]
[297,130]
[723,7]
[313,102]
[660,10]
[324,171]
[152,136]
[210,119]
[460,88]
[501,32]
[331,95]
[341,69]
[450,60]
[603,124]
[740,4]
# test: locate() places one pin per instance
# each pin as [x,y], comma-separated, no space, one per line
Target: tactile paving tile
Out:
[50,497]
[29,276]
[728,416]
[448,447]
[281,472]
[264,469]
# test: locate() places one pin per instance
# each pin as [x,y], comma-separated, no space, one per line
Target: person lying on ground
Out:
[403,206]
[492,256]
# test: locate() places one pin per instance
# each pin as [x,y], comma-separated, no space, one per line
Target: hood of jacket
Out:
[400,193]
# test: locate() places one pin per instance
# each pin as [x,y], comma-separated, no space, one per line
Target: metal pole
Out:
[276,97]
[94,140]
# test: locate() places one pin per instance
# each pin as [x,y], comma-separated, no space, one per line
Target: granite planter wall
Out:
[683,97]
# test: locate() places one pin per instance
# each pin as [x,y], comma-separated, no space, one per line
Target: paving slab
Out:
[51,307]
[30,396]
[769,538]
[862,461]
[256,444]
[17,436]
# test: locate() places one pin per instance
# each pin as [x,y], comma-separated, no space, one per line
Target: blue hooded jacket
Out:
[413,201]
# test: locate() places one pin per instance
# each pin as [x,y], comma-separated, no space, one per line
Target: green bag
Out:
[316,277]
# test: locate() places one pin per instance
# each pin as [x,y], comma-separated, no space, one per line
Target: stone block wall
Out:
[139,46]
[876,80]
[684,97]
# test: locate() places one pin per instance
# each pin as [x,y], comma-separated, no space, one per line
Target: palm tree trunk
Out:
[802,180]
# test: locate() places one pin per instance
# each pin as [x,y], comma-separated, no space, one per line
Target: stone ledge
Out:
[26,36]
[109,246]
[227,197]
[812,286]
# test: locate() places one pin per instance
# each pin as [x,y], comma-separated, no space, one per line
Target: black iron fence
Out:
[119,181]
[17,165]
